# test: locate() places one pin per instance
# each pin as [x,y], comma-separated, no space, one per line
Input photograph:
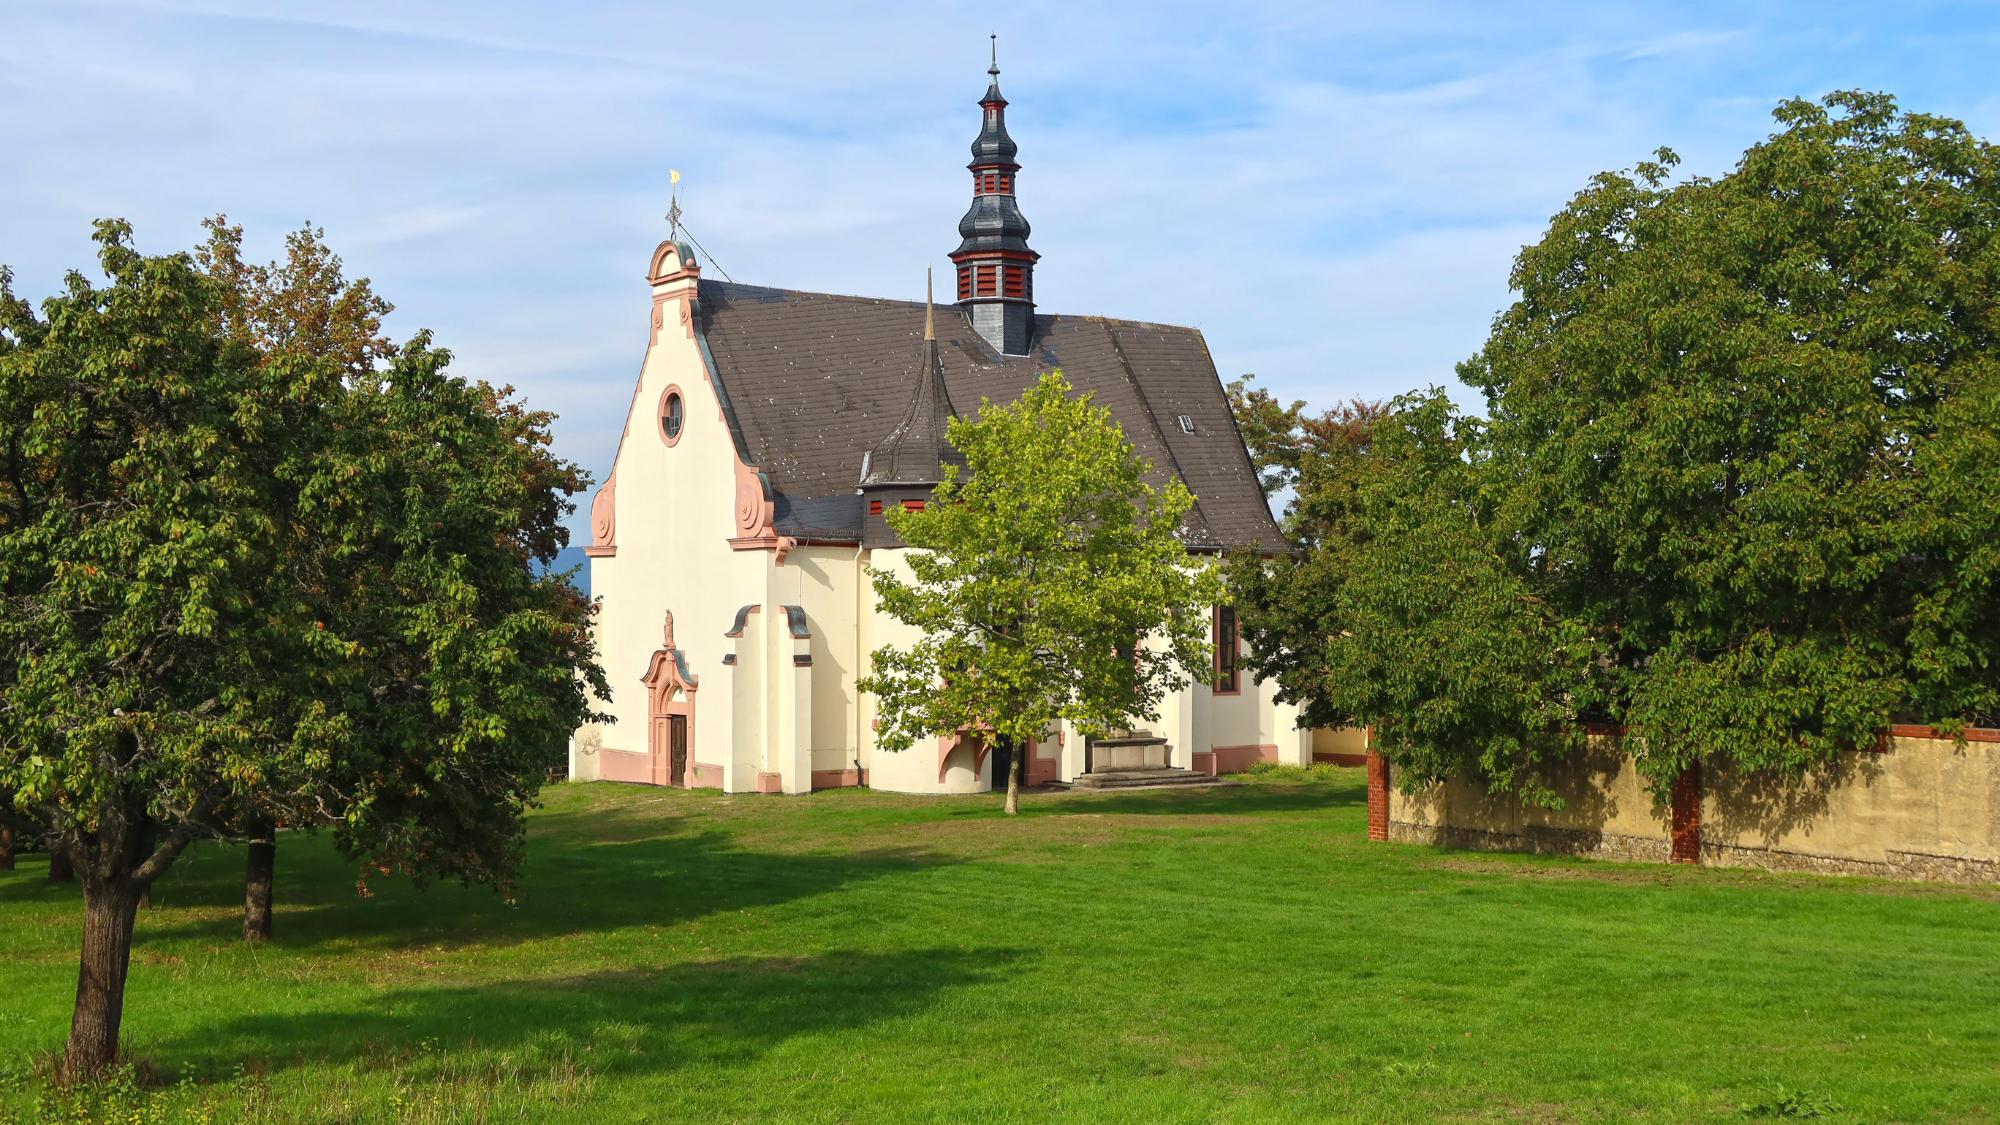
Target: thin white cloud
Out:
[1683,42]
[1333,193]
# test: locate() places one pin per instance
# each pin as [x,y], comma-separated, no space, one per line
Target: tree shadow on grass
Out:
[585,873]
[622,1021]
[1224,800]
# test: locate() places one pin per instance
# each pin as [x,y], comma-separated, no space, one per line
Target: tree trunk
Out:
[1014,780]
[6,849]
[109,909]
[61,870]
[257,873]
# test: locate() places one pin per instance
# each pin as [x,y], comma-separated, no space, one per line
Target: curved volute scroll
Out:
[756,508]
[604,521]
[756,513]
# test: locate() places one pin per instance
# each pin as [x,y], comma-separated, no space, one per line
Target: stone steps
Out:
[1144,779]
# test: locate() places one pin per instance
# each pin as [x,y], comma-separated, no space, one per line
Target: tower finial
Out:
[674,205]
[930,316]
[996,287]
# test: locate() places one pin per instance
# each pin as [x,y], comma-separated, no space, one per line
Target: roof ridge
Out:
[918,304]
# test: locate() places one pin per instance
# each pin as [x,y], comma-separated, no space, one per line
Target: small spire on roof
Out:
[994,70]
[930,317]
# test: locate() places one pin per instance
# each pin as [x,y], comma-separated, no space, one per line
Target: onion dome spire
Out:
[996,269]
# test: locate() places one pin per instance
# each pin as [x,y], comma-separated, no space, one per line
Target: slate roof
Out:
[813,380]
[915,450]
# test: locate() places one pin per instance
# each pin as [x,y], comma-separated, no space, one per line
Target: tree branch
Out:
[177,841]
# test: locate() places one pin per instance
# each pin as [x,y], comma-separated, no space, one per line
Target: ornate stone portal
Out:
[670,729]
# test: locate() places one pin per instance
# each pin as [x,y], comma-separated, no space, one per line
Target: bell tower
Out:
[996,270]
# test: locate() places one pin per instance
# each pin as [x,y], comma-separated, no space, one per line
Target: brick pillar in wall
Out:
[1686,827]
[1378,796]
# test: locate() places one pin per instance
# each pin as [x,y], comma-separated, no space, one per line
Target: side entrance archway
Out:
[670,692]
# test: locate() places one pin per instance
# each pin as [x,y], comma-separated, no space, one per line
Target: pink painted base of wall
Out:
[1236,759]
[770,782]
[1341,759]
[623,765]
[838,779]
[706,776]
[1041,771]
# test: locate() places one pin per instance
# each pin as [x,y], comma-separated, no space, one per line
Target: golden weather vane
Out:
[674,204]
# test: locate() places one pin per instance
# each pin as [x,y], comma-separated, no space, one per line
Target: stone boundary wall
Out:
[1919,806]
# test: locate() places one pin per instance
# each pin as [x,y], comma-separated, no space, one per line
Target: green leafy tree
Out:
[300,309]
[242,579]
[1409,608]
[1030,580]
[1285,441]
[1739,481]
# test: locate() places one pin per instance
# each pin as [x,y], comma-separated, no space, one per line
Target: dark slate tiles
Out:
[816,379]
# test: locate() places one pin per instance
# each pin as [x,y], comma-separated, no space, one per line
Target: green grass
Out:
[1238,954]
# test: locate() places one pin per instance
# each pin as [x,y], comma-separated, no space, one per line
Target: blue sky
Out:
[1333,193]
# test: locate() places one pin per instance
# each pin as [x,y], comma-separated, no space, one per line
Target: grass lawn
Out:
[1238,954]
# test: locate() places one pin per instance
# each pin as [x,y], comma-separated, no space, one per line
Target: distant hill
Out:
[571,558]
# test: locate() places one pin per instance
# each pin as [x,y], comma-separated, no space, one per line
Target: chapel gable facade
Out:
[769,433]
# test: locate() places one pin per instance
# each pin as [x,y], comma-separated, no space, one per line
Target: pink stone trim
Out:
[1236,759]
[669,694]
[669,265]
[673,390]
[1972,734]
[1040,770]
[756,510]
[1235,641]
[951,742]
[1204,762]
[604,520]
[770,782]
[701,775]
[839,779]
[624,765]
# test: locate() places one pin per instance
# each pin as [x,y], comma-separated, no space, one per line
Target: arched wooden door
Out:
[670,690]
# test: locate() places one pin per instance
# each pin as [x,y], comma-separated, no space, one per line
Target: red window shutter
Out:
[913,505]
[874,507]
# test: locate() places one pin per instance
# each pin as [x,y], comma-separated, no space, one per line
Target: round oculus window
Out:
[671,416]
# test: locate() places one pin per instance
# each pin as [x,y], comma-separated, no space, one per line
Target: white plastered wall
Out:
[674,510]
[914,770]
